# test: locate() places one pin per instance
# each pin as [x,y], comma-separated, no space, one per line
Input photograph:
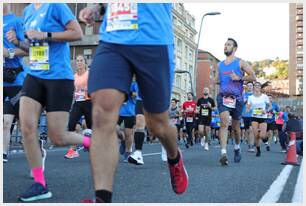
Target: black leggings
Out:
[189,127]
[79,109]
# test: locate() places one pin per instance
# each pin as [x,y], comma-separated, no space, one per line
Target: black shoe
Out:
[223,160]
[258,153]
[36,192]
[268,148]
[237,155]
[5,159]
[187,145]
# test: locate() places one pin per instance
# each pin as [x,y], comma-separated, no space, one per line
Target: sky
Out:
[260,29]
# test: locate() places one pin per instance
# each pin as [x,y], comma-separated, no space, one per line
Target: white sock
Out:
[223,151]
[236,146]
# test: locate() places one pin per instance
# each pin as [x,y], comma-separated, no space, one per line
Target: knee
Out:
[104,116]
[57,138]
[156,130]
[28,130]
[6,124]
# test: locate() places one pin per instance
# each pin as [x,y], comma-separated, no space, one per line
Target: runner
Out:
[139,135]
[49,83]
[259,103]
[137,41]
[82,103]
[127,116]
[205,106]
[189,111]
[230,101]
[271,126]
[13,71]
[247,117]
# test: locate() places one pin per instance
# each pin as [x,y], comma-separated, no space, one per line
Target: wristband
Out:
[49,36]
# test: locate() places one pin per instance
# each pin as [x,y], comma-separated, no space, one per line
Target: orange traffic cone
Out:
[291,158]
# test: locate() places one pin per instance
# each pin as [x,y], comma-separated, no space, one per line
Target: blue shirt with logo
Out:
[128,108]
[138,24]
[229,87]
[51,17]
[11,21]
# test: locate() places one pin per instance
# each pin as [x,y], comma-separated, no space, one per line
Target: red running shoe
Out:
[179,176]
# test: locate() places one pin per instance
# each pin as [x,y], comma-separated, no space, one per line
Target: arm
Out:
[248,70]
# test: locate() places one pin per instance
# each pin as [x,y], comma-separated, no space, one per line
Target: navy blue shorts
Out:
[235,113]
[114,65]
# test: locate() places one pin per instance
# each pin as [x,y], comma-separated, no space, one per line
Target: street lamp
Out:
[197,50]
[186,72]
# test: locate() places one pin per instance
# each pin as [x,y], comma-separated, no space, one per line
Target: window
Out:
[190,55]
[186,52]
[191,70]
[178,63]
[174,20]
[179,23]
[89,30]
[87,53]
[185,84]
[186,67]
[179,45]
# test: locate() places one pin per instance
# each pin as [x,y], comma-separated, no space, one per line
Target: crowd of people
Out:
[125,94]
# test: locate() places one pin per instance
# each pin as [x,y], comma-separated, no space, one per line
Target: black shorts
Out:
[56,95]
[271,126]
[129,122]
[139,107]
[206,121]
[247,122]
[259,120]
[12,106]
[10,92]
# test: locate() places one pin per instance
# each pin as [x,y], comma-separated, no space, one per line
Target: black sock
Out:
[139,138]
[176,160]
[258,149]
[103,196]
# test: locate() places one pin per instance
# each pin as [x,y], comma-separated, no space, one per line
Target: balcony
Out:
[299,11]
[299,67]
[299,24]
[299,6]
[299,42]
[299,29]
[299,17]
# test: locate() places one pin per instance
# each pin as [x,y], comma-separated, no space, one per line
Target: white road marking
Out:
[275,190]
[298,190]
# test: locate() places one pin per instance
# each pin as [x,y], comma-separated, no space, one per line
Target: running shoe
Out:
[97,200]
[268,148]
[223,160]
[136,158]
[258,154]
[164,154]
[251,149]
[237,155]
[5,159]
[71,154]
[36,192]
[122,147]
[206,146]
[179,176]
[202,142]
[126,157]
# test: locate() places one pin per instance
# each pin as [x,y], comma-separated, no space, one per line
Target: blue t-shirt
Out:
[227,85]
[138,24]
[246,95]
[11,21]
[272,112]
[128,108]
[51,17]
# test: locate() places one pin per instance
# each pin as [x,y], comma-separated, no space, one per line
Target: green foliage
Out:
[280,65]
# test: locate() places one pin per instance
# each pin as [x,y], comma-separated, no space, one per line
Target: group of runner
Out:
[136,41]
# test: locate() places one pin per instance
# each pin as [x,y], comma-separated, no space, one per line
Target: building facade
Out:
[185,47]
[207,70]
[296,49]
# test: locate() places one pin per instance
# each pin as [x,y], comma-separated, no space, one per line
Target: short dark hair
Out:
[234,41]
[190,93]
[174,100]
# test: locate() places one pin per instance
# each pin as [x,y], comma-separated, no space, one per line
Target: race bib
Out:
[189,119]
[39,57]
[205,112]
[258,112]
[122,16]
[80,95]
[229,102]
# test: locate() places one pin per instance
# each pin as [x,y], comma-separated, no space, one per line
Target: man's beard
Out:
[228,53]
[205,94]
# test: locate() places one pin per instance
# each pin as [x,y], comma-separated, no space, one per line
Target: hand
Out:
[36,35]
[87,15]
[234,76]
[5,53]
[11,36]
[209,104]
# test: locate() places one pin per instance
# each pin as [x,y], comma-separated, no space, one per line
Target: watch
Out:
[11,52]
[49,36]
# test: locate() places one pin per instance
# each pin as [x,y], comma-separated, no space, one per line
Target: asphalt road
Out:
[245,182]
